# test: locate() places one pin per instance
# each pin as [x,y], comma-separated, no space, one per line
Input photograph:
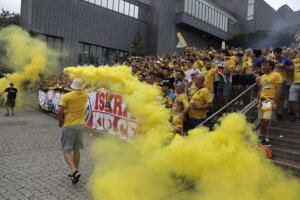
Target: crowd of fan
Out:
[195,81]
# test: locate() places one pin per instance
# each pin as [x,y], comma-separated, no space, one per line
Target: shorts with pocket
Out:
[72,138]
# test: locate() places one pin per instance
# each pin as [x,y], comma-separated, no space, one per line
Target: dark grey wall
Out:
[79,21]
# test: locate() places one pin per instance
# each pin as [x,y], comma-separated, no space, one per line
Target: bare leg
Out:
[265,128]
[69,159]
[76,157]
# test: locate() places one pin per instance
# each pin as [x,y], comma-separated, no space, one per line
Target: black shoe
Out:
[266,143]
[6,115]
[75,177]
[280,117]
[70,175]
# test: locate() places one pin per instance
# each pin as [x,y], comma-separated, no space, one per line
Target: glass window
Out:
[110,4]
[250,9]
[186,5]
[104,3]
[98,2]
[249,18]
[136,12]
[126,8]
[93,55]
[226,24]
[203,12]
[194,8]
[209,16]
[131,10]
[200,10]
[197,9]
[116,5]
[191,6]
[206,14]
[250,1]
[216,19]
[219,21]
[121,6]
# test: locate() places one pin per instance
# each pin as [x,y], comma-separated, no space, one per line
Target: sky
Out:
[15,5]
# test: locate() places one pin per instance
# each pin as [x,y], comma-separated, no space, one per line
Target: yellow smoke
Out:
[222,164]
[26,56]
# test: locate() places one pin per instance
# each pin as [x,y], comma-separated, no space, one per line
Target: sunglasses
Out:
[193,74]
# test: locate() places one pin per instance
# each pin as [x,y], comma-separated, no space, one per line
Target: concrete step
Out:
[286,124]
[289,142]
[292,166]
[286,153]
[285,132]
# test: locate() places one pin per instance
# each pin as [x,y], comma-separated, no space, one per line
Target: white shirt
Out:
[189,73]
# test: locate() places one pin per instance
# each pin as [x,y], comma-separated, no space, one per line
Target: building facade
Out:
[99,31]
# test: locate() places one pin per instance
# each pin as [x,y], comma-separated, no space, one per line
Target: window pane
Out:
[249,18]
[209,15]
[186,5]
[104,3]
[110,4]
[131,10]
[206,14]
[126,8]
[200,10]
[197,9]
[226,24]
[203,12]
[190,6]
[136,12]
[250,10]
[98,2]
[250,1]
[121,6]
[193,8]
[116,5]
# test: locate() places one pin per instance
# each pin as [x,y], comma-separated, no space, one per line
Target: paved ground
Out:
[31,162]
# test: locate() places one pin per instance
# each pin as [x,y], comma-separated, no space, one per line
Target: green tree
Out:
[137,47]
[7,18]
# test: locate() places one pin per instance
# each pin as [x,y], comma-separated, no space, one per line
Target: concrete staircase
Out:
[285,140]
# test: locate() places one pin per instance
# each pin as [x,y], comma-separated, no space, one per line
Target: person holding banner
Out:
[74,103]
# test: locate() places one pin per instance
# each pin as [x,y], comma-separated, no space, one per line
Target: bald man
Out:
[201,101]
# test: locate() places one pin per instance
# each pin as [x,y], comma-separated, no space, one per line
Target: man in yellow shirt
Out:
[209,74]
[268,97]
[294,93]
[74,103]
[182,97]
[200,102]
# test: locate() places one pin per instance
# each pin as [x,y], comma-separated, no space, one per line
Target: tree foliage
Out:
[6,19]
[137,48]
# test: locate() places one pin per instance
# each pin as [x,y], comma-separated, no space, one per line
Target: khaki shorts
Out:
[267,114]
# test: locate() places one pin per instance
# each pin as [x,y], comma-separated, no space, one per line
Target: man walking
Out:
[11,98]
[74,104]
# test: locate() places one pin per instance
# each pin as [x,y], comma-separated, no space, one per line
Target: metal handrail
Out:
[248,107]
[224,107]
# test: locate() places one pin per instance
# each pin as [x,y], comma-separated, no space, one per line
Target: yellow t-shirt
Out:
[177,124]
[182,98]
[209,79]
[296,63]
[75,104]
[268,83]
[247,66]
[201,97]
[193,89]
[230,63]
[167,100]
[198,64]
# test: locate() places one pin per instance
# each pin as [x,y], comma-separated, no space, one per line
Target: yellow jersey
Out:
[209,79]
[75,104]
[247,66]
[200,98]
[177,124]
[182,98]
[296,63]
[268,84]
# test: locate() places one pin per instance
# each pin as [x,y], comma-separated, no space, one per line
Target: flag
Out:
[182,43]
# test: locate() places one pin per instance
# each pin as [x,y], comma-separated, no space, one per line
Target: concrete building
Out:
[99,31]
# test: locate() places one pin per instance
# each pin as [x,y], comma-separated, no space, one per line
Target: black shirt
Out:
[11,93]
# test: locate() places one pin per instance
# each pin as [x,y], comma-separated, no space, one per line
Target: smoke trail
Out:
[26,56]
[222,164]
